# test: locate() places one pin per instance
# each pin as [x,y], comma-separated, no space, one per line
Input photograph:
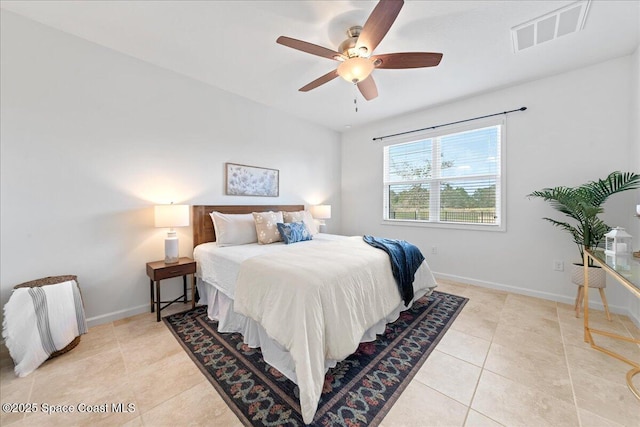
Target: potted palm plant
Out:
[583,204]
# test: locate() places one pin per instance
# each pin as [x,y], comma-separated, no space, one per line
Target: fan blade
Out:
[309,48]
[379,22]
[407,60]
[368,88]
[320,81]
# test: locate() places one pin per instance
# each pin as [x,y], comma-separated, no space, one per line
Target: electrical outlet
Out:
[434,250]
[558,265]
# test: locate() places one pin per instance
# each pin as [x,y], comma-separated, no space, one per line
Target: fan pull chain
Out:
[355,96]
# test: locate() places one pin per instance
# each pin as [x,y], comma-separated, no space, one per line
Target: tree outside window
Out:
[446,178]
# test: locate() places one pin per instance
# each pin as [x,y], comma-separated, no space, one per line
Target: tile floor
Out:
[508,360]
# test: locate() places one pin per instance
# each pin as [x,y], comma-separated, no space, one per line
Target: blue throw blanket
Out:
[405,260]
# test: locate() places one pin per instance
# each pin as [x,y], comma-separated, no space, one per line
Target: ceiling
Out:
[232,45]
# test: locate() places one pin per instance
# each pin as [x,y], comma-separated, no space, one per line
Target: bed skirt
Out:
[220,308]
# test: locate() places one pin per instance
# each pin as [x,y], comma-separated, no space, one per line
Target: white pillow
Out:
[302,216]
[234,229]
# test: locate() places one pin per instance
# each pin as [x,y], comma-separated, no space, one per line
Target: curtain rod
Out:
[448,124]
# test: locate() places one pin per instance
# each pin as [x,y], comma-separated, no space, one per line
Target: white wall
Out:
[91,139]
[576,129]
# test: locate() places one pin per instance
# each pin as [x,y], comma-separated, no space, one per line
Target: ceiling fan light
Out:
[355,70]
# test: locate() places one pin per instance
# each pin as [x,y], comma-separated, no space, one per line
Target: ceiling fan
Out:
[355,53]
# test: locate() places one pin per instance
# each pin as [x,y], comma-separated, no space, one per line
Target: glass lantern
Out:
[619,262]
[617,242]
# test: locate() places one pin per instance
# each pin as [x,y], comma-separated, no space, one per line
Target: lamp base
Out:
[171,248]
[168,260]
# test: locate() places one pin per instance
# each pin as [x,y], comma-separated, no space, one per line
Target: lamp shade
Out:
[321,211]
[355,69]
[169,216]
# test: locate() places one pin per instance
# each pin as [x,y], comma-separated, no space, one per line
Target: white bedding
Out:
[219,266]
[315,300]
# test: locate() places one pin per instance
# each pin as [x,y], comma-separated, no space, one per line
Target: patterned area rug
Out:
[359,391]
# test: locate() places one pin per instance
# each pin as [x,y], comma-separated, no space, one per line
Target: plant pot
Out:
[597,276]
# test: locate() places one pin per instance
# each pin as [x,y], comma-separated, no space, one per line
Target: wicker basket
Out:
[53,280]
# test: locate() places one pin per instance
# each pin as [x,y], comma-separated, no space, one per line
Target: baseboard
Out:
[121,314]
[634,312]
[538,294]
[634,319]
[117,315]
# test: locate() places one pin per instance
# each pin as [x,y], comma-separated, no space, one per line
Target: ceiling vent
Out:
[560,22]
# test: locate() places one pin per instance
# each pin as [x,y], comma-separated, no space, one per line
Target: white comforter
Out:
[318,301]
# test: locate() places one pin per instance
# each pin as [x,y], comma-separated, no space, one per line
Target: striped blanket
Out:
[41,320]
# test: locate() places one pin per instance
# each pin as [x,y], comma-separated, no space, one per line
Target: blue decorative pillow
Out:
[293,232]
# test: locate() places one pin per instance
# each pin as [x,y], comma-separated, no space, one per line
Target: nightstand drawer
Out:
[159,271]
[174,271]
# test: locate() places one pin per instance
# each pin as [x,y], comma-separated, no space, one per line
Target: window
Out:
[442,178]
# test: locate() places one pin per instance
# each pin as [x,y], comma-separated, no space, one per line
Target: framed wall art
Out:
[243,180]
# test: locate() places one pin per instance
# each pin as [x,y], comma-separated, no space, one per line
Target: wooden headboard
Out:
[203,231]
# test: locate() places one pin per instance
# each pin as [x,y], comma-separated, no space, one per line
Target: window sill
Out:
[444,225]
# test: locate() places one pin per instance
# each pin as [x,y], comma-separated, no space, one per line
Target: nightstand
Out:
[158,270]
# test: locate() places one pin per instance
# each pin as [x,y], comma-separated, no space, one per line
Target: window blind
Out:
[449,178]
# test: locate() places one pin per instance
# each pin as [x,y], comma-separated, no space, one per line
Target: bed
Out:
[307,305]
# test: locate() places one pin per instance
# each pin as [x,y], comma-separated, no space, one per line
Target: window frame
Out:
[435,133]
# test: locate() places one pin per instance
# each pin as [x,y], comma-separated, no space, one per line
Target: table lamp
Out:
[321,212]
[170,216]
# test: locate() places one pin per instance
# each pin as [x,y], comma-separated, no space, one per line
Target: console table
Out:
[626,271]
